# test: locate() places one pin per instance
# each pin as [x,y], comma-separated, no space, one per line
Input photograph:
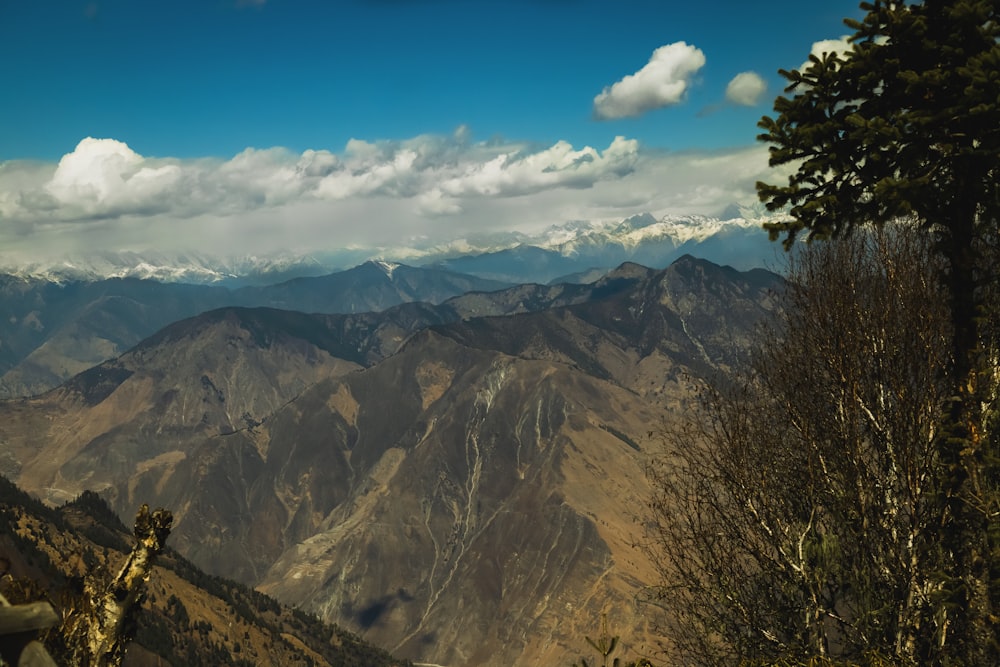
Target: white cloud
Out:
[105,195]
[437,203]
[520,173]
[839,46]
[106,177]
[254,178]
[317,163]
[661,82]
[392,174]
[745,89]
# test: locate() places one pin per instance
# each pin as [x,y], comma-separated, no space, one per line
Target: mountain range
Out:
[550,254]
[60,317]
[49,331]
[459,482]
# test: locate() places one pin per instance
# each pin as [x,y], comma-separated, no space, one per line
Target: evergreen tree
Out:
[906,125]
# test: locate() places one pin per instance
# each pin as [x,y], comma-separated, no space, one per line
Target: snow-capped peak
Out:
[631,232]
[642,237]
[387,267]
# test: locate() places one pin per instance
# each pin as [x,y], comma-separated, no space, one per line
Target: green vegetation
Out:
[840,503]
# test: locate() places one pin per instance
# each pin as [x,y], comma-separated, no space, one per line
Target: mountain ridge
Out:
[49,331]
[465,496]
[643,238]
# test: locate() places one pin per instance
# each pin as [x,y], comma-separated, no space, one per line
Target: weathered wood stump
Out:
[19,628]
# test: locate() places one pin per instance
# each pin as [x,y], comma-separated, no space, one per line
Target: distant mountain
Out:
[584,247]
[694,314]
[258,357]
[372,286]
[456,482]
[51,331]
[532,263]
[735,238]
[178,267]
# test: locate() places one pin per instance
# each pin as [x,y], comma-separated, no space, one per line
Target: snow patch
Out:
[387,267]
[570,239]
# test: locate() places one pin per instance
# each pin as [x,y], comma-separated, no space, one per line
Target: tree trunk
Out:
[965,521]
[114,607]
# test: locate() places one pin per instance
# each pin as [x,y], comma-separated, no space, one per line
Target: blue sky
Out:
[141,122]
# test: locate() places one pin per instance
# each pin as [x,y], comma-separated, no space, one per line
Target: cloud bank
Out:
[104,178]
[661,82]
[105,195]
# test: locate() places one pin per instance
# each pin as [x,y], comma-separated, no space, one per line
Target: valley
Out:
[459,479]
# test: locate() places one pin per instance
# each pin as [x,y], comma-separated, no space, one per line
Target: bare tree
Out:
[795,510]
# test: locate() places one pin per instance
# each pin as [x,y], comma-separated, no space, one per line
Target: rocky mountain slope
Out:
[187,618]
[467,517]
[464,495]
[51,331]
[61,317]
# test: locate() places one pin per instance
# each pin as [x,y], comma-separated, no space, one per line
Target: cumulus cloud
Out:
[838,46]
[106,177]
[661,82]
[745,89]
[520,172]
[104,194]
